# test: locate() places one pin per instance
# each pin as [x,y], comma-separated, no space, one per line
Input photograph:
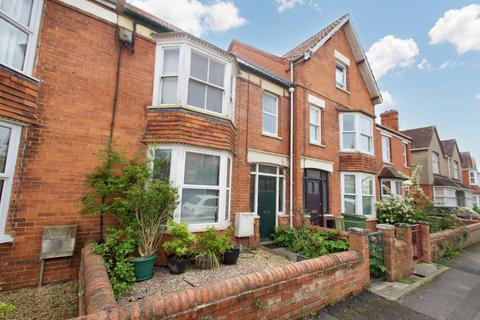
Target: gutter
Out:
[146,20]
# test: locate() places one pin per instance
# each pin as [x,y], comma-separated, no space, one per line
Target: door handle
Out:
[267,212]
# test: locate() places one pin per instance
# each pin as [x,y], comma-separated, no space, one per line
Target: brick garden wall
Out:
[284,292]
[459,237]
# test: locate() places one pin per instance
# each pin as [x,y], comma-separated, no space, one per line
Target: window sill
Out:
[204,227]
[4,238]
[19,73]
[387,162]
[357,152]
[343,90]
[265,134]
[318,144]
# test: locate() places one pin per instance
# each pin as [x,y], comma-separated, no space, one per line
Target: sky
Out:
[425,54]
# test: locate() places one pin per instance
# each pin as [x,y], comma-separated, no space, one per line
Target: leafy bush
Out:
[182,242]
[309,243]
[210,245]
[377,264]
[116,249]
[227,244]
[5,308]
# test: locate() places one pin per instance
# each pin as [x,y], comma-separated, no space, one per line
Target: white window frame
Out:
[393,190]
[280,173]
[184,60]
[343,66]
[386,149]
[317,123]
[456,174]
[473,174]
[267,133]
[405,155]
[358,192]
[435,163]
[357,142]
[177,175]
[8,177]
[32,33]
[441,198]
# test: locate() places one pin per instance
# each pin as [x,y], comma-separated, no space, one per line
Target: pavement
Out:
[451,295]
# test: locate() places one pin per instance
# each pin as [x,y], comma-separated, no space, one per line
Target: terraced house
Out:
[250,139]
[471,176]
[441,178]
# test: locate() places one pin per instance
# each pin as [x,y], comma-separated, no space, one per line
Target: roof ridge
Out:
[312,41]
[152,17]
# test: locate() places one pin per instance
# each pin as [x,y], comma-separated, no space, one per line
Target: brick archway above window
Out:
[357,162]
[177,125]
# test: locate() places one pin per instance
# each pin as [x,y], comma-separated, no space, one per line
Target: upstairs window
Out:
[270,115]
[356,133]
[18,33]
[189,76]
[456,174]
[315,125]
[341,75]
[386,149]
[435,163]
[405,155]
[473,177]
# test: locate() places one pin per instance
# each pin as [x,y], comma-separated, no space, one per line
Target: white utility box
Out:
[244,224]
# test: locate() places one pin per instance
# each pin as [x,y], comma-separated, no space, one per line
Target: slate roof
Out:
[466,161]
[299,50]
[441,181]
[253,67]
[449,146]
[422,137]
[156,20]
[392,173]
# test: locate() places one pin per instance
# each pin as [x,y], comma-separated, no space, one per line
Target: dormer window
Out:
[195,77]
[356,133]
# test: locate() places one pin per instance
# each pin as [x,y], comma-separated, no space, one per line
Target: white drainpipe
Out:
[292,164]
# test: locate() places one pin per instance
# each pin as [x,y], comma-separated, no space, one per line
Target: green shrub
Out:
[210,245]
[183,240]
[116,249]
[377,263]
[308,242]
[5,308]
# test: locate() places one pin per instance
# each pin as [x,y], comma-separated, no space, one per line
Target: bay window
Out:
[9,144]
[203,180]
[386,149]
[358,193]
[19,21]
[356,133]
[444,197]
[190,75]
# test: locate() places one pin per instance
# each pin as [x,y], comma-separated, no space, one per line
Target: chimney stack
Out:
[390,119]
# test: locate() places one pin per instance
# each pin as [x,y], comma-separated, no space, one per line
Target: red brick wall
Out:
[357,162]
[77,60]
[457,238]
[285,292]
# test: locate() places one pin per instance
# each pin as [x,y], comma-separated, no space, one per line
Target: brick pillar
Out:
[388,249]
[255,239]
[404,231]
[370,224]
[426,245]
[358,241]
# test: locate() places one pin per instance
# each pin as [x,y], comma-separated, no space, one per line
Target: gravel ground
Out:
[163,282]
[51,302]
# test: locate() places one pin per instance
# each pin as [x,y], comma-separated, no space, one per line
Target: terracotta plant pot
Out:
[231,257]
[177,266]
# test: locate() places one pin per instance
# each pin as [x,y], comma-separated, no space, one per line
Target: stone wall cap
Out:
[359,231]
[384,226]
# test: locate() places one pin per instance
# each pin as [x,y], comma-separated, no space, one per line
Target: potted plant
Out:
[209,250]
[179,249]
[230,251]
[152,207]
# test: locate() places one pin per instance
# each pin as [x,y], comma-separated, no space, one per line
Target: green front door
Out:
[267,209]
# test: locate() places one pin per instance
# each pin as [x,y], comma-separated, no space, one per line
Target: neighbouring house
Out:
[441,179]
[471,176]
[334,98]
[392,150]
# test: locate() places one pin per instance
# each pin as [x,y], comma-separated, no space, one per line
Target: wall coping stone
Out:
[384,226]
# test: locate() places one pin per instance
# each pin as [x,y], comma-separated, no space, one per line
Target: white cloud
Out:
[477,96]
[285,5]
[460,27]
[390,53]
[424,65]
[451,64]
[194,16]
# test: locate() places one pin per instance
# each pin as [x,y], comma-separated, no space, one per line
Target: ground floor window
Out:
[476,201]
[203,180]
[278,175]
[9,144]
[358,193]
[391,187]
[444,197]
